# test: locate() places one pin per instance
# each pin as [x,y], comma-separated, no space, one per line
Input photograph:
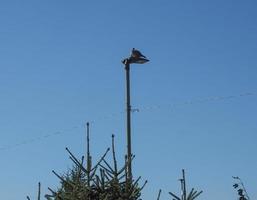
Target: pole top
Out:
[136,57]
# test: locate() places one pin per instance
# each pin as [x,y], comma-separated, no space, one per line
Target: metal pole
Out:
[127,68]
[88,157]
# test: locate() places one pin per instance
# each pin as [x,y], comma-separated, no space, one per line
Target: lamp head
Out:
[136,57]
[139,60]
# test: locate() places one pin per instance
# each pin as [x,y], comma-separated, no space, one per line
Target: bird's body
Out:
[136,54]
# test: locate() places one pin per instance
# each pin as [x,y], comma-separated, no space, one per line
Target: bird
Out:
[136,54]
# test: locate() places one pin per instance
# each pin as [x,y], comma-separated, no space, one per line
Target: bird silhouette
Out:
[136,54]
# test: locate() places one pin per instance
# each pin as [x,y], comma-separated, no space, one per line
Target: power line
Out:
[199,101]
[39,138]
[113,115]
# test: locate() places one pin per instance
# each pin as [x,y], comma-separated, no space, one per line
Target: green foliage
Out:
[241,191]
[101,182]
[193,194]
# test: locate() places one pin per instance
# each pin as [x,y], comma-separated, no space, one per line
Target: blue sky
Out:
[61,66]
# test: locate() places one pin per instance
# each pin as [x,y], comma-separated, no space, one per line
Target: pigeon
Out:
[136,54]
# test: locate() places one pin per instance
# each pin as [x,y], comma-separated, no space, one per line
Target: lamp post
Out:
[135,58]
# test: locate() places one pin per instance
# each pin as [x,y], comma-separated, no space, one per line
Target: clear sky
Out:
[60,66]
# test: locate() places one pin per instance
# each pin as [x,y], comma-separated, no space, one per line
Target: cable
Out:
[154,107]
[199,101]
[39,138]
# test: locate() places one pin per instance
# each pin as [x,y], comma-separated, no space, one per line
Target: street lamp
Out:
[135,58]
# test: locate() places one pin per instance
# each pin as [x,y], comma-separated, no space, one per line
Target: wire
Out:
[199,101]
[42,137]
[183,103]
